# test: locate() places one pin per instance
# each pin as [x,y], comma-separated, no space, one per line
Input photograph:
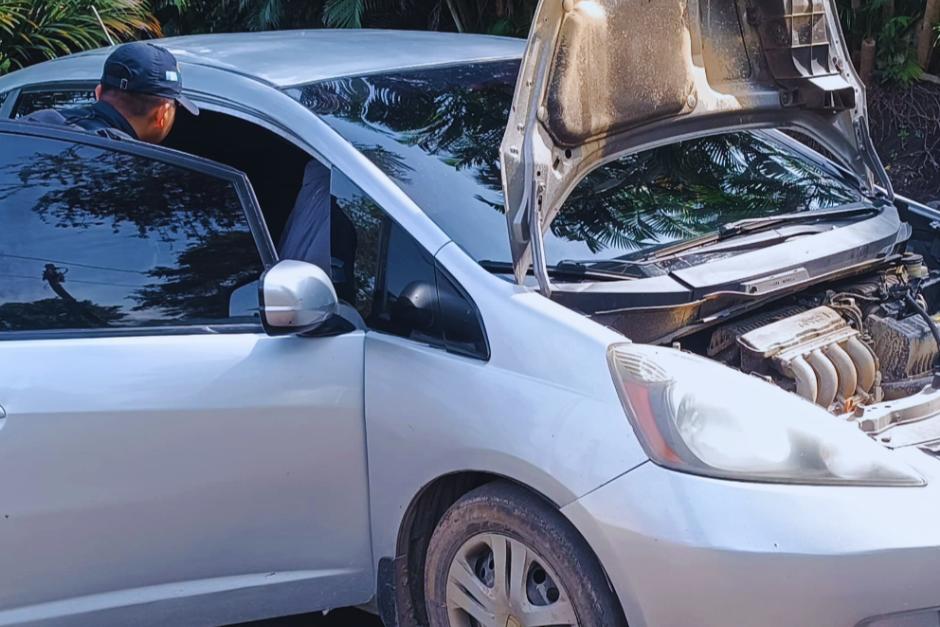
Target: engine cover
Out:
[820,353]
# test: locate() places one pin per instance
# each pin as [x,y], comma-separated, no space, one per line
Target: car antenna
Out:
[103,27]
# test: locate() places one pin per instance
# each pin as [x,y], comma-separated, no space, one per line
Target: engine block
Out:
[820,353]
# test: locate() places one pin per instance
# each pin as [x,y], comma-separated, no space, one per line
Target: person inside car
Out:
[140,88]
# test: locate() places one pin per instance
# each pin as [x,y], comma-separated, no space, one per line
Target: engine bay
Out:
[845,345]
[861,339]
[852,346]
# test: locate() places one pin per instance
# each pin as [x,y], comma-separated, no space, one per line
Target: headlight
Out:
[697,416]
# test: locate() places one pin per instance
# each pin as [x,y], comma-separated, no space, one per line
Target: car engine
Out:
[846,346]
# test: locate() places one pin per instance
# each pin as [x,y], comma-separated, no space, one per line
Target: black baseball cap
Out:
[145,68]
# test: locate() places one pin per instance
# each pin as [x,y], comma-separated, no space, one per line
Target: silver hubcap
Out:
[496,581]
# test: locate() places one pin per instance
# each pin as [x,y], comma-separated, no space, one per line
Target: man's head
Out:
[143,82]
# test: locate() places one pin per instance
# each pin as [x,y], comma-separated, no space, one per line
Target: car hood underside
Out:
[603,78]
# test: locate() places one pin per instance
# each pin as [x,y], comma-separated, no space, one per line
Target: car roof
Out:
[294,57]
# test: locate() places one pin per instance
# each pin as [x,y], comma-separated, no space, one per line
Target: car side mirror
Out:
[295,297]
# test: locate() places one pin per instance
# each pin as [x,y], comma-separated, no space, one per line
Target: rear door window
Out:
[63,98]
[97,238]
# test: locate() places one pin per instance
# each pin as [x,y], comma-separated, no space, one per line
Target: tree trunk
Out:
[866,66]
[926,37]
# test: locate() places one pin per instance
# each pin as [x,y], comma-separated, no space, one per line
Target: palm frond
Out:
[36,30]
[343,13]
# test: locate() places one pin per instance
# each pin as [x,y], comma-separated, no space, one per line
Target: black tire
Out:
[464,540]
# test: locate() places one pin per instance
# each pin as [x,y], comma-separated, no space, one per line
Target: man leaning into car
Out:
[137,98]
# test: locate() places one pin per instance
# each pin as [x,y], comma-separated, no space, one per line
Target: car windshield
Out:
[436,133]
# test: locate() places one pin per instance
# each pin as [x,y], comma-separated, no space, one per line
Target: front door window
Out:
[95,238]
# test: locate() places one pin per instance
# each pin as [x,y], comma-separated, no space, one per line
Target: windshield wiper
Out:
[749,225]
[565,269]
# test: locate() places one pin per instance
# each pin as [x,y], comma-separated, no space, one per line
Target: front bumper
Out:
[683,550]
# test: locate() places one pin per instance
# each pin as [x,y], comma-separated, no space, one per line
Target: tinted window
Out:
[406,295]
[92,238]
[392,279]
[375,262]
[437,134]
[60,99]
[357,230]
[461,326]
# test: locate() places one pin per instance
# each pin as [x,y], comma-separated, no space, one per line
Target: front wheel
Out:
[502,557]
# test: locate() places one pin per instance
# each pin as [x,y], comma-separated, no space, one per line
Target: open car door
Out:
[157,449]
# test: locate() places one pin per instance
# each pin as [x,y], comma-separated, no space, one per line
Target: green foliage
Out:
[36,30]
[891,24]
[861,20]
[499,17]
[343,13]
[896,59]
[184,17]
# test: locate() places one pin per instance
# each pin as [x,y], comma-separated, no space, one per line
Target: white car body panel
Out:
[208,479]
[133,466]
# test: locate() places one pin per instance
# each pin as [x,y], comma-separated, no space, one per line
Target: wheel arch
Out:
[400,596]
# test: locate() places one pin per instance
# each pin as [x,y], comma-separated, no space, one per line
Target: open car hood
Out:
[603,78]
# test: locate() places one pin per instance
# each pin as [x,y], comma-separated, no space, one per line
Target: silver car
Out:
[650,361]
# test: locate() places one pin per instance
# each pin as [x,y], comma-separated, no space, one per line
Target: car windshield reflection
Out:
[436,133]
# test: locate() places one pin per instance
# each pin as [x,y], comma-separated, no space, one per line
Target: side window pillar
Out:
[395,284]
